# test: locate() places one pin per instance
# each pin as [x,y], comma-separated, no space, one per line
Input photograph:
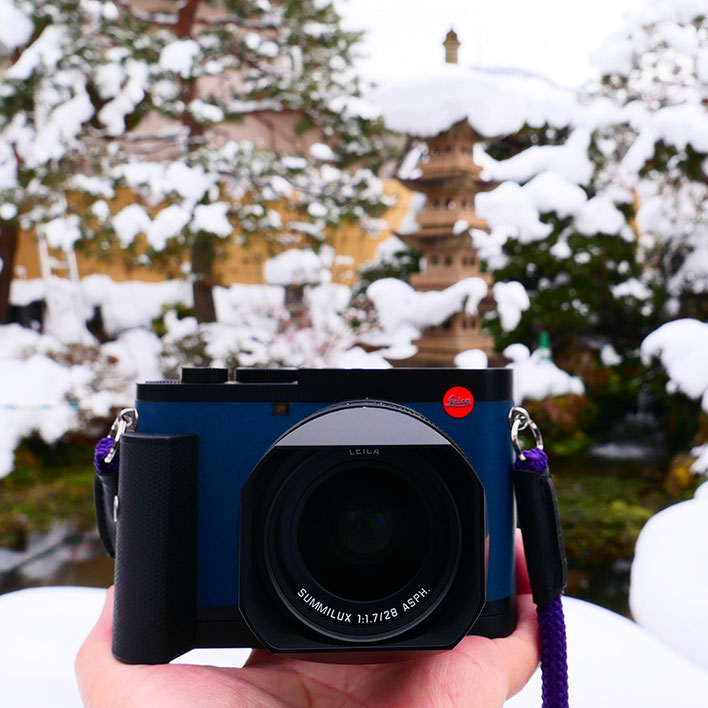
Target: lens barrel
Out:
[362,525]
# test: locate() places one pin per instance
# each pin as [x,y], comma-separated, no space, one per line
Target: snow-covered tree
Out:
[103,103]
[568,242]
[655,68]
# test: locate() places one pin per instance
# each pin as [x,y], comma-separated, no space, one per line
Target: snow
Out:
[700,466]
[212,218]
[113,114]
[408,224]
[129,222]
[355,106]
[89,380]
[44,53]
[317,210]
[298,266]
[512,299]
[682,349]
[62,233]
[493,101]
[537,377]
[206,112]
[15,27]
[460,226]
[669,579]
[615,55]
[130,304]
[631,288]
[599,216]
[509,205]
[44,628]
[163,179]
[387,249]
[33,397]
[569,161]
[97,186]
[404,312]
[615,663]
[166,225]
[357,358]
[679,126]
[471,359]
[608,355]
[178,56]
[322,152]
[109,79]
[549,191]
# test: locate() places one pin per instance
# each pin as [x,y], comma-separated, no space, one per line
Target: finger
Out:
[95,666]
[521,648]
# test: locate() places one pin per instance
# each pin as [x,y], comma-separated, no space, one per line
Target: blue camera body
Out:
[189,531]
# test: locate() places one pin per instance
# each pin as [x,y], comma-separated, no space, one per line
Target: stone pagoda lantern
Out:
[450,179]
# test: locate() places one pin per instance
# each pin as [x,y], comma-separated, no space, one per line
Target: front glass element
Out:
[363,533]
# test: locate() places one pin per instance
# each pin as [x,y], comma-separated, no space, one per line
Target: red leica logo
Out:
[458,402]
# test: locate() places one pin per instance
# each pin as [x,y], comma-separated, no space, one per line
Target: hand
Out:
[479,672]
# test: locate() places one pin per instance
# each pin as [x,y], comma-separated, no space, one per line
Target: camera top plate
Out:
[331,385]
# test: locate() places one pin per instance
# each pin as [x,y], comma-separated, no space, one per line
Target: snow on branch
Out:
[682,348]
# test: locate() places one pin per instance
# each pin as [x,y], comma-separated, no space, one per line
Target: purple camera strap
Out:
[551,622]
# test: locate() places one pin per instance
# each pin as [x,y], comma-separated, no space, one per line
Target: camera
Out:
[314,511]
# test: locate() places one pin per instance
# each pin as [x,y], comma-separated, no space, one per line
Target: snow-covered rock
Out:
[669,580]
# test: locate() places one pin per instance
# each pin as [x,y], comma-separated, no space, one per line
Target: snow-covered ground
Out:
[613,662]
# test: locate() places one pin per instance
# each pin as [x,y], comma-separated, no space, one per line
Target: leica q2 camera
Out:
[313,511]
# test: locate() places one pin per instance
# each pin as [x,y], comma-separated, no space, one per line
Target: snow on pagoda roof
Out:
[494,101]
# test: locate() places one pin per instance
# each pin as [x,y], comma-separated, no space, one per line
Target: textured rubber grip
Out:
[154,617]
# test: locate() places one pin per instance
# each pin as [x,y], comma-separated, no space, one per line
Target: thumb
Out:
[96,669]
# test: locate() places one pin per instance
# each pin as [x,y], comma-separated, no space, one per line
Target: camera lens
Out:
[364,529]
[362,525]
[362,549]
[363,533]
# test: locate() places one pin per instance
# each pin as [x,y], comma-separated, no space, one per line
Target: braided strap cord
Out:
[551,622]
[103,447]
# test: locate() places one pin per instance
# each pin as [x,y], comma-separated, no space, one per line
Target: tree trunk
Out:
[8,247]
[202,270]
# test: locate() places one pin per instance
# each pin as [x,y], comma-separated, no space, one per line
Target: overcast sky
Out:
[551,37]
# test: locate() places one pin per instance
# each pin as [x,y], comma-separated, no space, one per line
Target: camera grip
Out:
[154,615]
